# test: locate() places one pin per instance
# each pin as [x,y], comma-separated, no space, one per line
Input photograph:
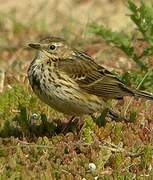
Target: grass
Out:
[31,142]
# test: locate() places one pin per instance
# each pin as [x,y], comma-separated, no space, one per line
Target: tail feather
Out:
[142,94]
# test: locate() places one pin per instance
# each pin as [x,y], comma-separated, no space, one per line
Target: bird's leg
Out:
[101,120]
[79,126]
[116,117]
[74,123]
[67,125]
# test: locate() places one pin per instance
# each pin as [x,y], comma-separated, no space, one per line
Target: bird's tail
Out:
[142,94]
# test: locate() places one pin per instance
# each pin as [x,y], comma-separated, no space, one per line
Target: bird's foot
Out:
[101,120]
[116,117]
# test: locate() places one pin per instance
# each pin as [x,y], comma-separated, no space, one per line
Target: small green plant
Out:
[87,130]
[142,17]
[146,158]
[18,109]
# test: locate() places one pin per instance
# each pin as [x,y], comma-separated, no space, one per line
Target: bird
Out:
[71,82]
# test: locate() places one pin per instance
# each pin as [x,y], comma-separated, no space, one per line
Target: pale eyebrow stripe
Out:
[54,43]
[58,44]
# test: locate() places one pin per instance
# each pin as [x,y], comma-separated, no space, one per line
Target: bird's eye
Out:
[52,47]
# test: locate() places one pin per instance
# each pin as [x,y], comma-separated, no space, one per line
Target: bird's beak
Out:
[35,45]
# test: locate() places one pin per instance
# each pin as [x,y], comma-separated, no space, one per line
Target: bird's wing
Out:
[93,78]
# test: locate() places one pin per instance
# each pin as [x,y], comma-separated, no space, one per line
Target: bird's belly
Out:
[69,100]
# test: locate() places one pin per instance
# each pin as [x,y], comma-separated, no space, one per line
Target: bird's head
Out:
[53,48]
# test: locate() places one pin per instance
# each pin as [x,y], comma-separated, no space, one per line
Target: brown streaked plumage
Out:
[71,82]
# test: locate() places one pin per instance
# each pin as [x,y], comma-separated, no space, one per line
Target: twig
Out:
[2,77]
[115,148]
[14,48]
[29,145]
[131,99]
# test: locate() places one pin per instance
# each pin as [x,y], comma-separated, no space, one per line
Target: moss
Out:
[146,158]
[116,134]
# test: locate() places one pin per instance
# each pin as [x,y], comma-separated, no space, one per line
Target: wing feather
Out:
[93,78]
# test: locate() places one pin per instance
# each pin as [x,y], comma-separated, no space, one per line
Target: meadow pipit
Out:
[71,82]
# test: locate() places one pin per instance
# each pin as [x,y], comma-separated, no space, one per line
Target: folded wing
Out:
[93,78]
